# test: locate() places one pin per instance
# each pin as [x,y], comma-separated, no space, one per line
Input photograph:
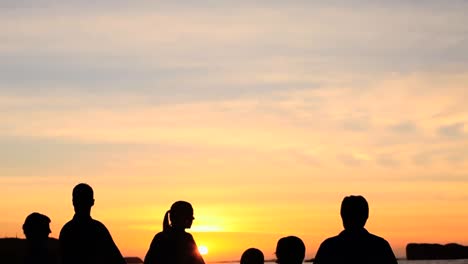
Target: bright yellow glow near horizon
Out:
[256,218]
[203,250]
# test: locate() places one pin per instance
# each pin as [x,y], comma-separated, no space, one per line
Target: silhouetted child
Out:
[173,245]
[355,244]
[290,250]
[252,256]
[36,229]
[83,239]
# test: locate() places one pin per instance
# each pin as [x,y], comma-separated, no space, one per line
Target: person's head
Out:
[36,227]
[252,256]
[180,216]
[290,250]
[354,212]
[83,198]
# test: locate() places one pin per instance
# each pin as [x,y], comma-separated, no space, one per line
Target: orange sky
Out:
[262,115]
[233,214]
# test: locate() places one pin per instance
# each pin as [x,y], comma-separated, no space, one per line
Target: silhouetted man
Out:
[290,250]
[36,229]
[84,240]
[355,244]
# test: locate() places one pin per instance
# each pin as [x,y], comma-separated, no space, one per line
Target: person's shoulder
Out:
[330,241]
[98,224]
[381,245]
[161,235]
[377,239]
[185,236]
[160,238]
[66,227]
[176,235]
[99,227]
[326,249]
[67,224]
[188,235]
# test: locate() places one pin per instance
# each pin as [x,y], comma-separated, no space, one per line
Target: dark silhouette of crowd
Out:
[84,240]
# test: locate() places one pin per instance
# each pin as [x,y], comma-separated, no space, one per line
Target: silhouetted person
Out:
[173,245]
[290,250]
[84,240]
[355,244]
[36,229]
[252,256]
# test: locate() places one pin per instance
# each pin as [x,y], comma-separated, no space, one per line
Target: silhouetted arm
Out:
[110,249]
[155,252]
[388,255]
[323,254]
[197,258]
[149,258]
[64,247]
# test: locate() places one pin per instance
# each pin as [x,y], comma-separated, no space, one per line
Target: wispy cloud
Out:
[455,131]
[404,127]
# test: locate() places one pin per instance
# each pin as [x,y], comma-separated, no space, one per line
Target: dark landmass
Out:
[133,260]
[436,251]
[13,250]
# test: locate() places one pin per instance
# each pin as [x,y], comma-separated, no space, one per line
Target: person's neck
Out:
[286,262]
[178,229]
[37,242]
[355,229]
[83,215]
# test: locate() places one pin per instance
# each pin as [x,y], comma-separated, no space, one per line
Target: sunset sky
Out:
[262,114]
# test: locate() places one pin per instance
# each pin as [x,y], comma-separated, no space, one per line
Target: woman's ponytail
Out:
[166,225]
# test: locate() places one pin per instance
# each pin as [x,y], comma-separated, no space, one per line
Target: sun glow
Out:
[203,228]
[203,250]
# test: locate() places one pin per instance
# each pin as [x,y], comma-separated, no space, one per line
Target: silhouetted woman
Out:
[173,245]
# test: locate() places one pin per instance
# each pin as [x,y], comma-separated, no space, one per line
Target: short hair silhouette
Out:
[252,256]
[84,239]
[180,215]
[354,212]
[39,248]
[83,196]
[36,226]
[290,250]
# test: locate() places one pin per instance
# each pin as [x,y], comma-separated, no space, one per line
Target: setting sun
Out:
[203,250]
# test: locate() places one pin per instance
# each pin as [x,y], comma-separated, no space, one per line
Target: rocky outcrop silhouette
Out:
[133,260]
[436,251]
[13,250]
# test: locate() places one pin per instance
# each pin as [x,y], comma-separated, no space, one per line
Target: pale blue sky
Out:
[191,50]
